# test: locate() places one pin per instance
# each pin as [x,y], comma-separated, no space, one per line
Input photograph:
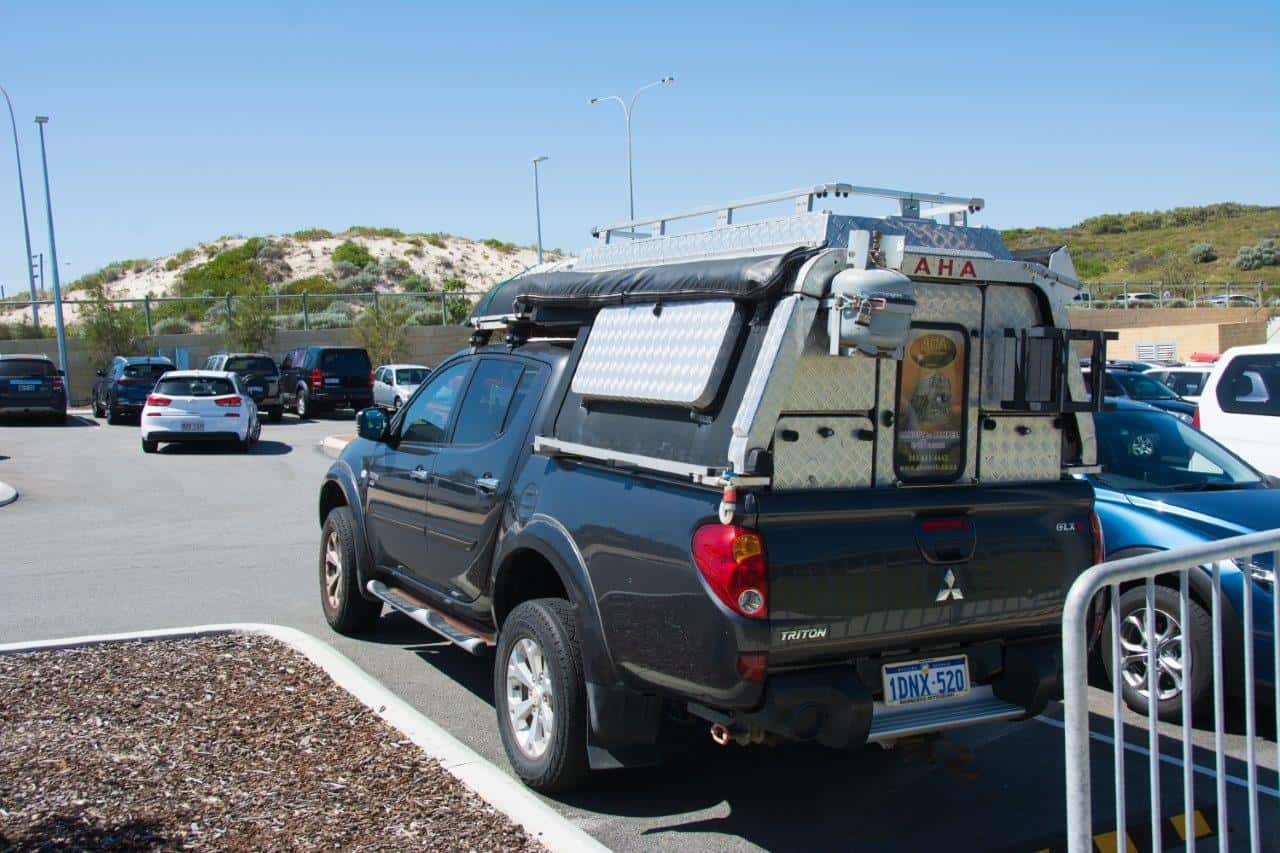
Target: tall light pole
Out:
[22,200]
[53,258]
[627,108]
[537,201]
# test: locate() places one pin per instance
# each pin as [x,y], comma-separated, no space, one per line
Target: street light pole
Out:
[537,201]
[627,108]
[22,200]
[53,258]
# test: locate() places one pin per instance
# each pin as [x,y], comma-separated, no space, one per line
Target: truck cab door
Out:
[398,475]
[471,479]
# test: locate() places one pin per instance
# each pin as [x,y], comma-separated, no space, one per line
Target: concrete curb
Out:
[498,789]
[333,445]
[8,494]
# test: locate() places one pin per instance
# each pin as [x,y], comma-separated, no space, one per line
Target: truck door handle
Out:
[487,484]
[419,474]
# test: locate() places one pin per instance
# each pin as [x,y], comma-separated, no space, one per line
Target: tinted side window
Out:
[427,418]
[1251,385]
[485,408]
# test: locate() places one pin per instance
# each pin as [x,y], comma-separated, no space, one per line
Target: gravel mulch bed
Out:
[216,743]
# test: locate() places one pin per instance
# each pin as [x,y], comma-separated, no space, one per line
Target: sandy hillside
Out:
[472,261]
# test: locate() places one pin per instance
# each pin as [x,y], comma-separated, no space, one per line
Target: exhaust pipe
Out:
[720,734]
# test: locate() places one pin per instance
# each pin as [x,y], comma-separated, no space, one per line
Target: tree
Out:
[252,324]
[458,304]
[110,329]
[380,330]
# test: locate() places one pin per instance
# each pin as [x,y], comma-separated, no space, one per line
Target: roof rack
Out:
[956,208]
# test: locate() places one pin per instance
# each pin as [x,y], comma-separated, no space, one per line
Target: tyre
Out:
[345,609]
[98,411]
[60,419]
[1171,639]
[113,416]
[276,414]
[150,446]
[540,696]
[302,404]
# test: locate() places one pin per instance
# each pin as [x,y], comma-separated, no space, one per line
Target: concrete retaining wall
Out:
[425,345]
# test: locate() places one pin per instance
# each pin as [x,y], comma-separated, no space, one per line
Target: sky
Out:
[173,123]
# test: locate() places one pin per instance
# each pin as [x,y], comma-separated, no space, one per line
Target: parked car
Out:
[715,536]
[1139,386]
[394,384]
[1185,380]
[32,385]
[1139,299]
[1132,365]
[199,405]
[319,379]
[1240,404]
[1233,300]
[1166,485]
[123,387]
[259,374]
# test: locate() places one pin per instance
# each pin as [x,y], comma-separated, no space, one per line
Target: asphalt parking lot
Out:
[106,539]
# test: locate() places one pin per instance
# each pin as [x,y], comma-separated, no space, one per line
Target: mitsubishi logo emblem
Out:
[950,591]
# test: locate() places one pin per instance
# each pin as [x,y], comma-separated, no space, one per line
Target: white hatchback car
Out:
[199,405]
[1240,405]
[1185,380]
[394,384]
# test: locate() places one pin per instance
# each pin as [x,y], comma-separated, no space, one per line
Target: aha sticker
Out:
[933,351]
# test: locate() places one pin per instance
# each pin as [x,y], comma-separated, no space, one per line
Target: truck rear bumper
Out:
[834,706]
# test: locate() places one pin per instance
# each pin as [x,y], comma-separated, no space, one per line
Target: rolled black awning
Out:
[746,279]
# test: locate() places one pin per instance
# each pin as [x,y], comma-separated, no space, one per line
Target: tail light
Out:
[58,384]
[1099,541]
[370,378]
[229,402]
[732,560]
[157,400]
[1195,418]
[317,378]
[752,666]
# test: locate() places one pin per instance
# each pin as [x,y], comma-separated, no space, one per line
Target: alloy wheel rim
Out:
[1134,648]
[333,569]
[530,699]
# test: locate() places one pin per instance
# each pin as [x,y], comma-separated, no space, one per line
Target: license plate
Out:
[919,681]
[255,389]
[331,380]
[193,426]
[28,387]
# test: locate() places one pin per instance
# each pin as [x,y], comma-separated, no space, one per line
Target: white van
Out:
[1240,404]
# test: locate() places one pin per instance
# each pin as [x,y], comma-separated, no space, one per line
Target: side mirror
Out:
[371,424]
[100,372]
[1271,480]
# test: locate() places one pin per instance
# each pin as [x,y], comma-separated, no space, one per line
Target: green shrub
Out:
[252,324]
[310,284]
[366,231]
[1087,267]
[1264,253]
[171,326]
[362,282]
[270,251]
[179,259]
[414,252]
[352,253]
[428,316]
[308,234]
[1202,253]
[232,271]
[415,284]
[1140,263]
[494,243]
[342,309]
[1108,223]
[394,269]
[324,320]
[435,240]
[109,329]
[344,270]
[380,329]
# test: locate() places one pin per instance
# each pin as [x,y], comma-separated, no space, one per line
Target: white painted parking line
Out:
[1167,759]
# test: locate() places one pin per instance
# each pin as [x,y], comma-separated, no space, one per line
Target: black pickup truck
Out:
[853,574]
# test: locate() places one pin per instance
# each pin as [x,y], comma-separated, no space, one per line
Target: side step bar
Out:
[981,706]
[424,614]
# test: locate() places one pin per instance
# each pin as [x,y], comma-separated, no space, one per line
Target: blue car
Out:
[1165,485]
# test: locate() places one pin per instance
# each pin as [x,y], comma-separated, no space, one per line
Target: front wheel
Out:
[1172,639]
[150,446]
[98,411]
[302,405]
[345,609]
[540,695]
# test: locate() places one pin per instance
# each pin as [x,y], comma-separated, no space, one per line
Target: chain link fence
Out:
[1158,294]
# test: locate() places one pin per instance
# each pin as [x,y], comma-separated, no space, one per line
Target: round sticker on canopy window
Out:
[933,351]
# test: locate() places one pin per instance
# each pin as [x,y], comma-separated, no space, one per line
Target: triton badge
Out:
[792,634]
[950,591]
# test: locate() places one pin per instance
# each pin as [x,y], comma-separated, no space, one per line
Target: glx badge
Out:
[949,590]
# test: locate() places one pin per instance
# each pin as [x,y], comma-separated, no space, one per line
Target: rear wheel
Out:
[540,695]
[345,609]
[150,446]
[113,415]
[1172,639]
[251,437]
[276,414]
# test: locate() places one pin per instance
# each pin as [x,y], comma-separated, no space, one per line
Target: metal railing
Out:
[305,311]
[1238,554]
[1158,294]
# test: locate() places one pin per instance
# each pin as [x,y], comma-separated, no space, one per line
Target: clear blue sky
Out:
[178,122]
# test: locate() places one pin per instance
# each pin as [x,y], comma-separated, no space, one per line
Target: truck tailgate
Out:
[889,570]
